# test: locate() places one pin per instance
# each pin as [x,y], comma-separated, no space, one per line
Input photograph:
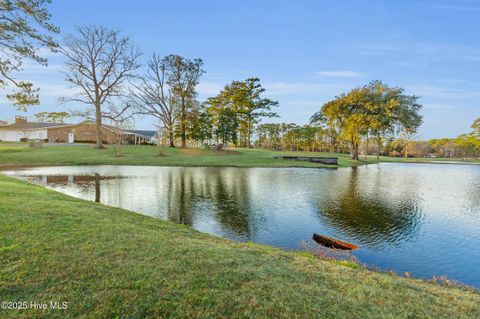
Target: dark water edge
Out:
[416,218]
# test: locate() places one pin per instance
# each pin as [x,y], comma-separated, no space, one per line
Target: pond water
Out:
[417,218]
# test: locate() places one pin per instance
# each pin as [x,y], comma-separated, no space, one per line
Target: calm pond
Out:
[417,218]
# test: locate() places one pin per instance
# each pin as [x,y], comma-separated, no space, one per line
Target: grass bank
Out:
[108,263]
[148,155]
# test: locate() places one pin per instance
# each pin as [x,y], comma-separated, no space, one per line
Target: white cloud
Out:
[280,88]
[209,88]
[378,48]
[405,64]
[450,81]
[32,68]
[451,7]
[302,103]
[428,51]
[435,106]
[443,92]
[53,90]
[340,74]
[47,53]
[274,89]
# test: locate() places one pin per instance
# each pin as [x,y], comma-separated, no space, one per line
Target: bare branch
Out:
[99,61]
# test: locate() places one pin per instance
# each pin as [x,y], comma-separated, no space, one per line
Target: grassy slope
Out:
[148,155]
[108,262]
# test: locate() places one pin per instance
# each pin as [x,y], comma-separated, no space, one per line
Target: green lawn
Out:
[111,263]
[148,155]
[13,143]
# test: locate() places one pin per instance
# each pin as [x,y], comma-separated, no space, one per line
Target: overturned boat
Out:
[333,243]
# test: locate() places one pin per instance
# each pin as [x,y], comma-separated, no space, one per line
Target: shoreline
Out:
[9,166]
[109,249]
[330,254]
[190,157]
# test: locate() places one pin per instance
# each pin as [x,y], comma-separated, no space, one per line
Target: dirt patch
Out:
[191,151]
[226,153]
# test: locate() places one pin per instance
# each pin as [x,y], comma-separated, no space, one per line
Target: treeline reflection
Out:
[243,204]
[363,210]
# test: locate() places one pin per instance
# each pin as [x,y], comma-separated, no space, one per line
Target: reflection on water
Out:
[423,219]
[362,209]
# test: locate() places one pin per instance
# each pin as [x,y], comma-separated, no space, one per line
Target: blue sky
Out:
[304,52]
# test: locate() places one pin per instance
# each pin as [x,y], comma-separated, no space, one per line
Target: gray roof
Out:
[38,126]
[32,126]
[145,133]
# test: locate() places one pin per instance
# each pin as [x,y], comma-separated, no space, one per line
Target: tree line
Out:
[103,65]
[167,92]
[51,117]
[314,138]
[374,111]
[464,146]
[231,116]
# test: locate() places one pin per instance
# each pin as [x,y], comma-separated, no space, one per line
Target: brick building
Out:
[84,132]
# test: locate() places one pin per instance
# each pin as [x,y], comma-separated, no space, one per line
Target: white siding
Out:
[15,136]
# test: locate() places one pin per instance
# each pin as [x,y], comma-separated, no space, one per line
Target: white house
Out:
[22,129]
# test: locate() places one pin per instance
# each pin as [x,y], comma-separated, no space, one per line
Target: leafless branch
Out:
[99,61]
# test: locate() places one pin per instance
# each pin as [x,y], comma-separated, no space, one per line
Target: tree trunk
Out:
[172,142]
[248,133]
[378,148]
[366,150]
[184,123]
[355,151]
[98,126]
[184,135]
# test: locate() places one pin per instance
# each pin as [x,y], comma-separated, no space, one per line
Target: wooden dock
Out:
[313,159]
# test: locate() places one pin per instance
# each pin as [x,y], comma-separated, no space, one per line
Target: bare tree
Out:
[152,95]
[98,62]
[118,137]
[184,76]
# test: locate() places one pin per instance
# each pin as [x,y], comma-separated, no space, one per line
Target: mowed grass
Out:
[149,155]
[112,263]
[13,143]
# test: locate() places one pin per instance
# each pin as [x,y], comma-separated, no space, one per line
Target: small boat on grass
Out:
[333,243]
